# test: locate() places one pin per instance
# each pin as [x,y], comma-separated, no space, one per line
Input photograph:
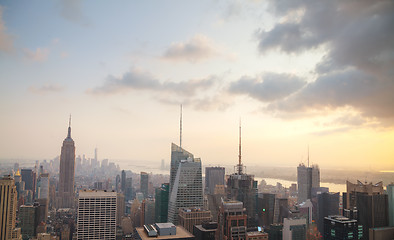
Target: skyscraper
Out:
[242,187]
[144,184]
[327,204]
[177,154]
[307,178]
[294,229]
[390,193]
[187,189]
[67,171]
[232,221]
[213,176]
[8,205]
[339,227]
[161,203]
[96,215]
[29,177]
[371,204]
[123,182]
[43,195]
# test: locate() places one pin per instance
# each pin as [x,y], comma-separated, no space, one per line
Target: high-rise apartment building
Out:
[129,189]
[187,189]
[29,217]
[307,178]
[266,208]
[8,207]
[232,220]
[188,217]
[213,176]
[96,215]
[67,172]
[242,187]
[161,203]
[144,183]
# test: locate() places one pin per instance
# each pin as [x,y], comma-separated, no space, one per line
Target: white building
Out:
[96,215]
[294,229]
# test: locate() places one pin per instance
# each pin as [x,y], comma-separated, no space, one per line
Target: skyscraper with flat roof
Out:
[213,176]
[8,206]
[96,215]
[67,172]
[144,184]
[390,193]
[161,203]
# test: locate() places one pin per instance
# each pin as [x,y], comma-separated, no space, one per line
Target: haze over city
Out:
[298,74]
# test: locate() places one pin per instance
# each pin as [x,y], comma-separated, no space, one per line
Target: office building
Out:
[294,229]
[188,217]
[256,235]
[307,178]
[205,231]
[29,178]
[164,231]
[144,184]
[187,189]
[281,209]
[390,193]
[275,232]
[29,217]
[129,189]
[123,181]
[327,205]
[371,204]
[8,208]
[242,187]
[117,183]
[147,211]
[340,227]
[177,154]
[382,233]
[265,209]
[232,220]
[161,203]
[67,172]
[120,211]
[213,176]
[96,215]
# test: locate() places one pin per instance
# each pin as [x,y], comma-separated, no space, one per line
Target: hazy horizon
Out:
[297,74]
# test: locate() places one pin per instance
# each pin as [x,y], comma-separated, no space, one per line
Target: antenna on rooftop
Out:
[180,130]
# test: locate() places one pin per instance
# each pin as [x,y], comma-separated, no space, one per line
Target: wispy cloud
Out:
[6,41]
[196,49]
[46,89]
[139,80]
[39,55]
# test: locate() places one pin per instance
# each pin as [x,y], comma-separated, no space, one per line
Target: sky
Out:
[297,73]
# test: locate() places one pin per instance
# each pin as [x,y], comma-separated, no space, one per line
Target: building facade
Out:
[96,215]
[188,217]
[294,229]
[144,183]
[307,178]
[187,189]
[161,203]
[8,207]
[339,227]
[213,176]
[232,220]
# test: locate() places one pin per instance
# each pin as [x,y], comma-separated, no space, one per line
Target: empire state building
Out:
[67,172]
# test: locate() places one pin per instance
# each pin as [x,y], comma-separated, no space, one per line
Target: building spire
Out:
[239,151]
[308,155]
[69,128]
[180,129]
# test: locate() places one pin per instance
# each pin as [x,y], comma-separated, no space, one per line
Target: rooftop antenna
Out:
[180,130]
[239,153]
[69,127]
[308,155]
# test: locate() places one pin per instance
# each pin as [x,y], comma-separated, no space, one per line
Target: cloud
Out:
[49,88]
[196,49]
[268,87]
[39,55]
[72,11]
[357,68]
[6,41]
[139,80]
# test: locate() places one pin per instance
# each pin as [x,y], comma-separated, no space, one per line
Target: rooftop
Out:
[180,233]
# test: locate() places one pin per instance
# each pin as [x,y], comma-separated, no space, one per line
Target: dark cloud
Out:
[138,80]
[196,49]
[358,67]
[49,88]
[269,87]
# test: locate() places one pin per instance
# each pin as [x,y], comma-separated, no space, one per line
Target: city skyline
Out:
[123,77]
